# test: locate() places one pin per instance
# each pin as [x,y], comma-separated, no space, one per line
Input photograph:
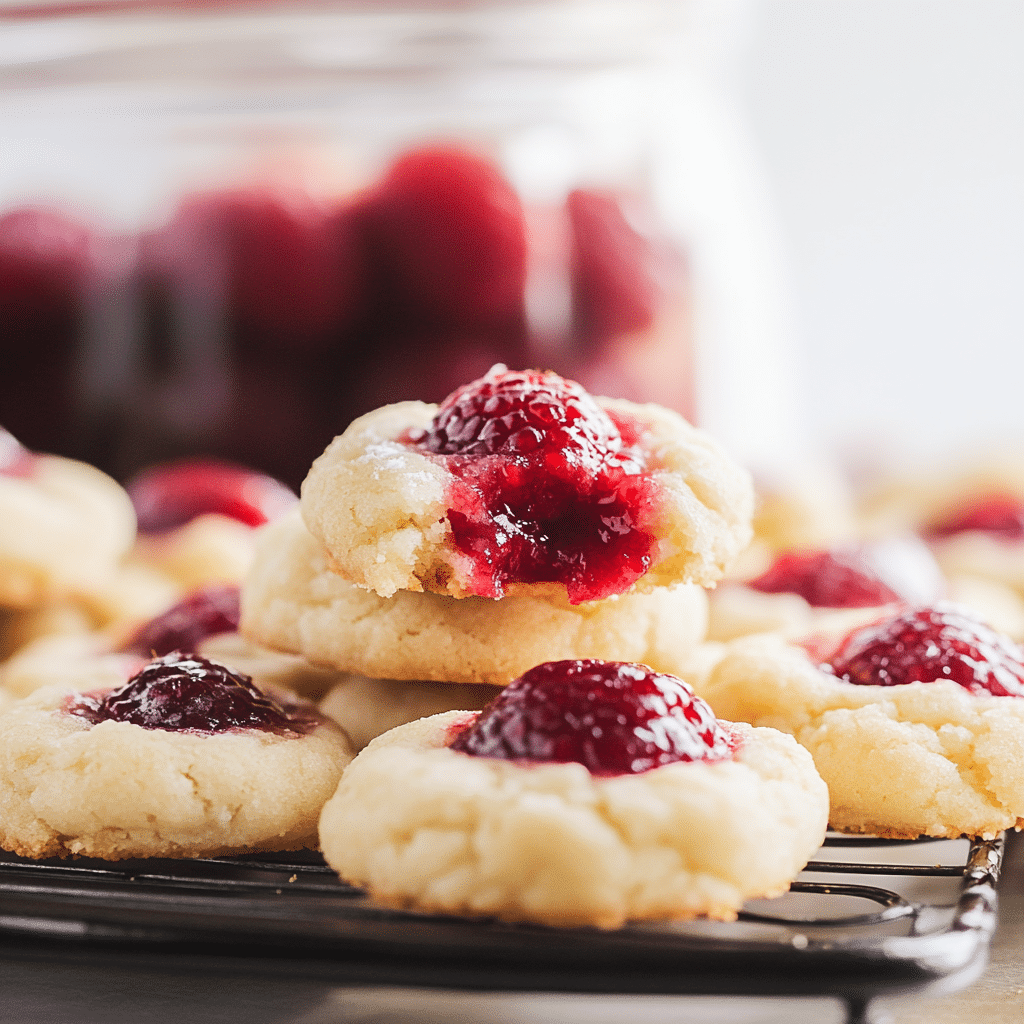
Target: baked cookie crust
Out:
[293,602]
[62,528]
[380,507]
[116,790]
[427,827]
[900,761]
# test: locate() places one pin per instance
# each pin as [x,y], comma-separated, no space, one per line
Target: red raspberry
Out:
[187,693]
[284,270]
[1001,515]
[944,641]
[448,235]
[613,717]
[522,413]
[547,492]
[205,613]
[174,493]
[841,578]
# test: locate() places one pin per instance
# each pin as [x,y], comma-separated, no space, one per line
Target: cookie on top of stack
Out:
[530,548]
[521,521]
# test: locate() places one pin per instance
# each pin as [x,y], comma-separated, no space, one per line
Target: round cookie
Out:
[209,549]
[118,790]
[424,826]
[831,589]
[921,758]
[130,595]
[385,509]
[63,526]
[942,507]
[291,601]
[366,708]
[803,507]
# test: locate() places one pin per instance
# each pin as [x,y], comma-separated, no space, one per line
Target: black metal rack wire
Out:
[839,932]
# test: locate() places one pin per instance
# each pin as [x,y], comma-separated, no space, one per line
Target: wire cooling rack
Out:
[866,917]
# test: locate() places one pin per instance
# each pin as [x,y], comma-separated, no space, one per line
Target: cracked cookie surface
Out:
[115,790]
[383,510]
[428,827]
[900,761]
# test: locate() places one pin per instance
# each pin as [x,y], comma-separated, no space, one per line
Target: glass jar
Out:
[231,228]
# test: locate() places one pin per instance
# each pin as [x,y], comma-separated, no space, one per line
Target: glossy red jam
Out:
[187,693]
[841,578]
[174,493]
[615,718]
[15,460]
[1001,515]
[944,641]
[205,613]
[548,490]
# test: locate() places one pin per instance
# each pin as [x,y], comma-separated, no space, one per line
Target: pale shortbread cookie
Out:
[19,627]
[380,507]
[912,502]
[292,601]
[117,606]
[115,790]
[904,564]
[62,529]
[134,594]
[917,503]
[366,708]
[900,761]
[87,662]
[426,827]
[804,507]
[207,550]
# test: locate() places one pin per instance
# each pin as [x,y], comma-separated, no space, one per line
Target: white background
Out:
[892,138]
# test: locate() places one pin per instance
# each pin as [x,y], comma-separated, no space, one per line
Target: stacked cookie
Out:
[527,547]
[443,552]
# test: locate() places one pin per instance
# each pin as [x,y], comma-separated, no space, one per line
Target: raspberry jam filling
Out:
[15,459]
[926,645]
[549,489]
[182,627]
[187,693]
[615,718]
[840,578]
[172,494]
[1001,515]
